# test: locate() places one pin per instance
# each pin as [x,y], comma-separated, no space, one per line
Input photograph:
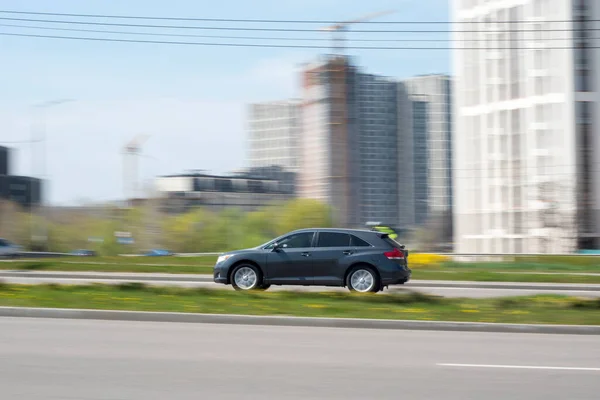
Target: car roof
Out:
[340,230]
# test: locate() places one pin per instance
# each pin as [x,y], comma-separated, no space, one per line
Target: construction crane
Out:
[339,30]
[130,166]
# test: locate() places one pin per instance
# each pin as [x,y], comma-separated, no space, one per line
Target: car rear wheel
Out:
[246,277]
[362,279]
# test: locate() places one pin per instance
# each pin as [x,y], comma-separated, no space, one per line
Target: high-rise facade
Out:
[274,132]
[421,157]
[433,132]
[526,176]
[377,129]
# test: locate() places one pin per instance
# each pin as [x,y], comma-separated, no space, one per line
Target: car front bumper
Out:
[219,276]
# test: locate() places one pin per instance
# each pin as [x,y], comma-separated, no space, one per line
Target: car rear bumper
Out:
[397,278]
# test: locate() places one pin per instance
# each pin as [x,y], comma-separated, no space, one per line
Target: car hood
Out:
[243,251]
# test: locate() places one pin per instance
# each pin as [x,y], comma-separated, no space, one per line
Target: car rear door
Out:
[292,264]
[330,257]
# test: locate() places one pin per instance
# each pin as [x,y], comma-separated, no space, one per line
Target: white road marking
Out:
[518,367]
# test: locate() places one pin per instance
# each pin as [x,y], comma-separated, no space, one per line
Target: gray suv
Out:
[361,260]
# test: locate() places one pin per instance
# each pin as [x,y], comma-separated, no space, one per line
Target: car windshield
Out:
[270,243]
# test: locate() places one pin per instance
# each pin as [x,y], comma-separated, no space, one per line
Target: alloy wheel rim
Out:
[245,278]
[362,280]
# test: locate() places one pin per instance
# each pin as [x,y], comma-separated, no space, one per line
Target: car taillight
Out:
[395,254]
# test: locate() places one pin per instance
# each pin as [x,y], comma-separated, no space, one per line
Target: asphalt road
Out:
[85,360]
[438,288]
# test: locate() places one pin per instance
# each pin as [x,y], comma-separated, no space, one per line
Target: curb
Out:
[112,315]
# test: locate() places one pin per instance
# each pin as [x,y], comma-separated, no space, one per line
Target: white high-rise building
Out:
[274,129]
[526,162]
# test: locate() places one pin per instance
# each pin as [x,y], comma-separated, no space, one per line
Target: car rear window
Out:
[358,242]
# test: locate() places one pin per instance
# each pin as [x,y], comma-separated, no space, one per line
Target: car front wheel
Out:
[362,279]
[246,277]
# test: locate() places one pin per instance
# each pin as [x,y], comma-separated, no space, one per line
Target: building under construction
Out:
[356,148]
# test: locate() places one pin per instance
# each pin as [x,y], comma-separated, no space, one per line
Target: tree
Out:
[304,213]
[556,218]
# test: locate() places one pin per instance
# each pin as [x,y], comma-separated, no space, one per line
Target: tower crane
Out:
[338,30]
[130,165]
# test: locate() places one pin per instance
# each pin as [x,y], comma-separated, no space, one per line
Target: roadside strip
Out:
[22,312]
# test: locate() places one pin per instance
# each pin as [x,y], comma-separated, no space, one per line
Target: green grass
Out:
[412,306]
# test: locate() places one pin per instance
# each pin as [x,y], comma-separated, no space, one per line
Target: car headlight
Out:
[223,258]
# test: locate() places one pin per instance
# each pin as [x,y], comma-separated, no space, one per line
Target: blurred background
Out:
[464,130]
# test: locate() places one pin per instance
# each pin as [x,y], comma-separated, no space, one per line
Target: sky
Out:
[190,100]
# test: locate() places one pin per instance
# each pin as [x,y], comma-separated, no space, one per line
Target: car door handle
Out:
[348,252]
[305,254]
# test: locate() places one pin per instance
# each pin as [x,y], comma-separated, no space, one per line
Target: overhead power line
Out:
[235,28]
[270,45]
[279,38]
[264,21]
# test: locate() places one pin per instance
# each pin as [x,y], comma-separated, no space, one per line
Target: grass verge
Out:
[544,309]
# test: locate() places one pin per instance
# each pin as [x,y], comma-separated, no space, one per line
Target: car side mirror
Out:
[279,246]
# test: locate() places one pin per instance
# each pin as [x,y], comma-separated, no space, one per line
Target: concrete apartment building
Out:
[432,99]
[356,148]
[274,132]
[526,161]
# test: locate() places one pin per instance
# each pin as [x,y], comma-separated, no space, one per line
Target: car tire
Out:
[246,277]
[363,279]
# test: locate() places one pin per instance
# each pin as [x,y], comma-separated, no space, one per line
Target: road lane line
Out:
[518,367]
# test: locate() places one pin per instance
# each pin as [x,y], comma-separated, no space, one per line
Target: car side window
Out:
[3,243]
[333,239]
[358,242]
[296,241]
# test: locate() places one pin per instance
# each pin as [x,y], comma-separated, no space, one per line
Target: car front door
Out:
[291,262]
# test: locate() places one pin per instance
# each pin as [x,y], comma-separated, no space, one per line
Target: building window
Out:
[583,81]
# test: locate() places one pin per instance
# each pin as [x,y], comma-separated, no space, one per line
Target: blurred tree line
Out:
[199,230]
